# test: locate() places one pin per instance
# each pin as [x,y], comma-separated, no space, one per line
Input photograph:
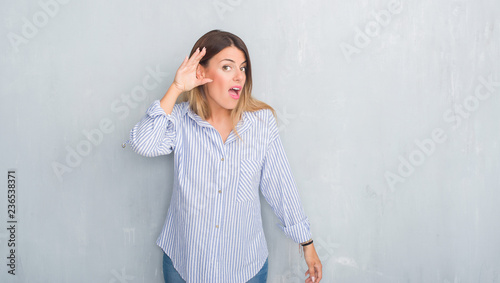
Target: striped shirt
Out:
[213,230]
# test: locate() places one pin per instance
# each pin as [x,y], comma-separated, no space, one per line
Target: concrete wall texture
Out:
[388,111]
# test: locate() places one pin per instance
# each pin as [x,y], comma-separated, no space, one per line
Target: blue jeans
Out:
[172,276]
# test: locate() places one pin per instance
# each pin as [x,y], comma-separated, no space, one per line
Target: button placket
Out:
[222,165]
[219,201]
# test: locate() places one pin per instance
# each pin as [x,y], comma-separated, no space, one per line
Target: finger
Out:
[200,55]
[313,274]
[193,56]
[319,273]
[185,61]
[194,60]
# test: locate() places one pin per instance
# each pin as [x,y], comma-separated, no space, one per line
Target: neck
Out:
[219,115]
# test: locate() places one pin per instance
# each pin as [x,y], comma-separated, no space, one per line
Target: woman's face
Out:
[227,70]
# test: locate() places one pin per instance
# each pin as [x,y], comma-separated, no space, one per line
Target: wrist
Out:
[308,247]
[176,87]
[306,243]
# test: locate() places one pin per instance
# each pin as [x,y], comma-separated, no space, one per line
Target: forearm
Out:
[168,100]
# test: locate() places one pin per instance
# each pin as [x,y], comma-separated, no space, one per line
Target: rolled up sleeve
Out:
[155,133]
[280,191]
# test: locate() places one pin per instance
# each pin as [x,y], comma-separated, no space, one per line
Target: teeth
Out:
[235,88]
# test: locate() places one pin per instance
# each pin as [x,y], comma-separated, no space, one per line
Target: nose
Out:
[239,76]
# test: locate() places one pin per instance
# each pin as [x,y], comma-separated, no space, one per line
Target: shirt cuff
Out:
[299,232]
[156,110]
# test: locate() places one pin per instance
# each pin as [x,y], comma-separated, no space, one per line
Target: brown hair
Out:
[214,41]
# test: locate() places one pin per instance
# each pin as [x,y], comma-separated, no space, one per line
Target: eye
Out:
[244,69]
[226,67]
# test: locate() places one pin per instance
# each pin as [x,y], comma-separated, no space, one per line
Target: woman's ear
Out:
[200,72]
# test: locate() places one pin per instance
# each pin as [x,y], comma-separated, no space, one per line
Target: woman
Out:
[227,146]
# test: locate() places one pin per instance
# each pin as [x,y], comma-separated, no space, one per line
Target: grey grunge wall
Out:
[388,111]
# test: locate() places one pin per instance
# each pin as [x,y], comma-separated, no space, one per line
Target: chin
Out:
[230,106]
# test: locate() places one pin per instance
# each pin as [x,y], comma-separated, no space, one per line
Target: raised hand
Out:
[186,77]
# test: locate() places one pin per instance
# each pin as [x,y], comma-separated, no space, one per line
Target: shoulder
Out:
[263,113]
[262,117]
[265,120]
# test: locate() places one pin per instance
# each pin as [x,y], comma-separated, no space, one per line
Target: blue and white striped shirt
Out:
[213,230]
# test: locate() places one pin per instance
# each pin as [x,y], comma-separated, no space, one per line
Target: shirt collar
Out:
[246,121]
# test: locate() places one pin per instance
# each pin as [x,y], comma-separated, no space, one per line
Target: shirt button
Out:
[216,226]
[220,191]
[222,159]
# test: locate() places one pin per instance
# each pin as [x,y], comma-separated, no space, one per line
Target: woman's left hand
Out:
[314,264]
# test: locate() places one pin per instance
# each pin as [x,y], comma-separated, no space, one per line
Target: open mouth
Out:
[235,91]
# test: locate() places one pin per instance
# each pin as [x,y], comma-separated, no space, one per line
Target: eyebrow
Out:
[232,61]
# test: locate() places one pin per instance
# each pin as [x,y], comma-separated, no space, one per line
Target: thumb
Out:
[206,80]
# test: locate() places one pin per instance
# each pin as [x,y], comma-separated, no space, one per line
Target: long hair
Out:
[214,41]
